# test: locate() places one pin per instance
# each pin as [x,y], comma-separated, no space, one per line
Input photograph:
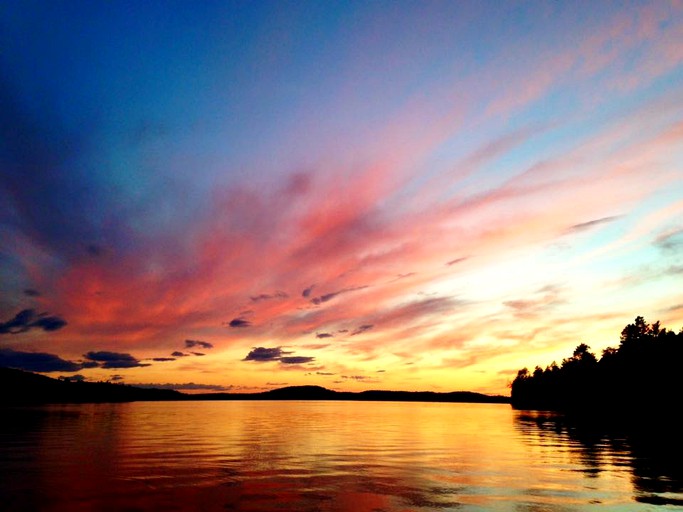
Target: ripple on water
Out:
[324,456]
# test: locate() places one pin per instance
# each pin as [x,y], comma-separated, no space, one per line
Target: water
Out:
[326,456]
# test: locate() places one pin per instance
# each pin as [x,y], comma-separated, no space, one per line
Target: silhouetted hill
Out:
[430,396]
[320,393]
[295,392]
[642,374]
[19,387]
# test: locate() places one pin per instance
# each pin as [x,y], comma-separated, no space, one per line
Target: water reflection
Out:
[322,456]
[648,449]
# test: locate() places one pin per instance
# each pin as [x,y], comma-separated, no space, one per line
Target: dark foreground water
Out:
[329,456]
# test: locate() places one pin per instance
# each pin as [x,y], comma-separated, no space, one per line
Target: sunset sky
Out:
[358,195]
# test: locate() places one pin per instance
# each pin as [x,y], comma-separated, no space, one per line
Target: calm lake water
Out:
[328,456]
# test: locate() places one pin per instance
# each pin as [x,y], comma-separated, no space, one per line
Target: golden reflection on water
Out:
[322,456]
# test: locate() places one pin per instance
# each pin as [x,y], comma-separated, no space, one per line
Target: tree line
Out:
[643,372]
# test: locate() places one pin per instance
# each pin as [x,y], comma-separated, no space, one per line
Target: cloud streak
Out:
[28,319]
[263,354]
[110,360]
[583,226]
[198,343]
[36,361]
[239,323]
[269,296]
[329,296]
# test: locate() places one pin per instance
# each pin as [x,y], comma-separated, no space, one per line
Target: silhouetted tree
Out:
[642,372]
[583,356]
[634,332]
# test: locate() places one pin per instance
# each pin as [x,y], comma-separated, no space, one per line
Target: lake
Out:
[328,456]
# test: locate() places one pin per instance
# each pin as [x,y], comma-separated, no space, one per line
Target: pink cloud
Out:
[634,48]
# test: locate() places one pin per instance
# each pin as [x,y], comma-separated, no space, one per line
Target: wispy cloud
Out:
[198,343]
[269,296]
[263,354]
[239,322]
[583,226]
[363,328]
[361,378]
[113,359]
[28,319]
[670,241]
[296,359]
[36,361]
[540,302]
[315,346]
[329,296]
[457,260]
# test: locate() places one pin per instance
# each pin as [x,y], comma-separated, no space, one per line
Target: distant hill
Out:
[320,393]
[19,387]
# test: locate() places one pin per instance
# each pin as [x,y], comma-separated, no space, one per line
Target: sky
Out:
[238,196]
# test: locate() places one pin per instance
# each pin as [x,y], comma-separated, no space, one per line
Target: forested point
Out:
[643,373]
